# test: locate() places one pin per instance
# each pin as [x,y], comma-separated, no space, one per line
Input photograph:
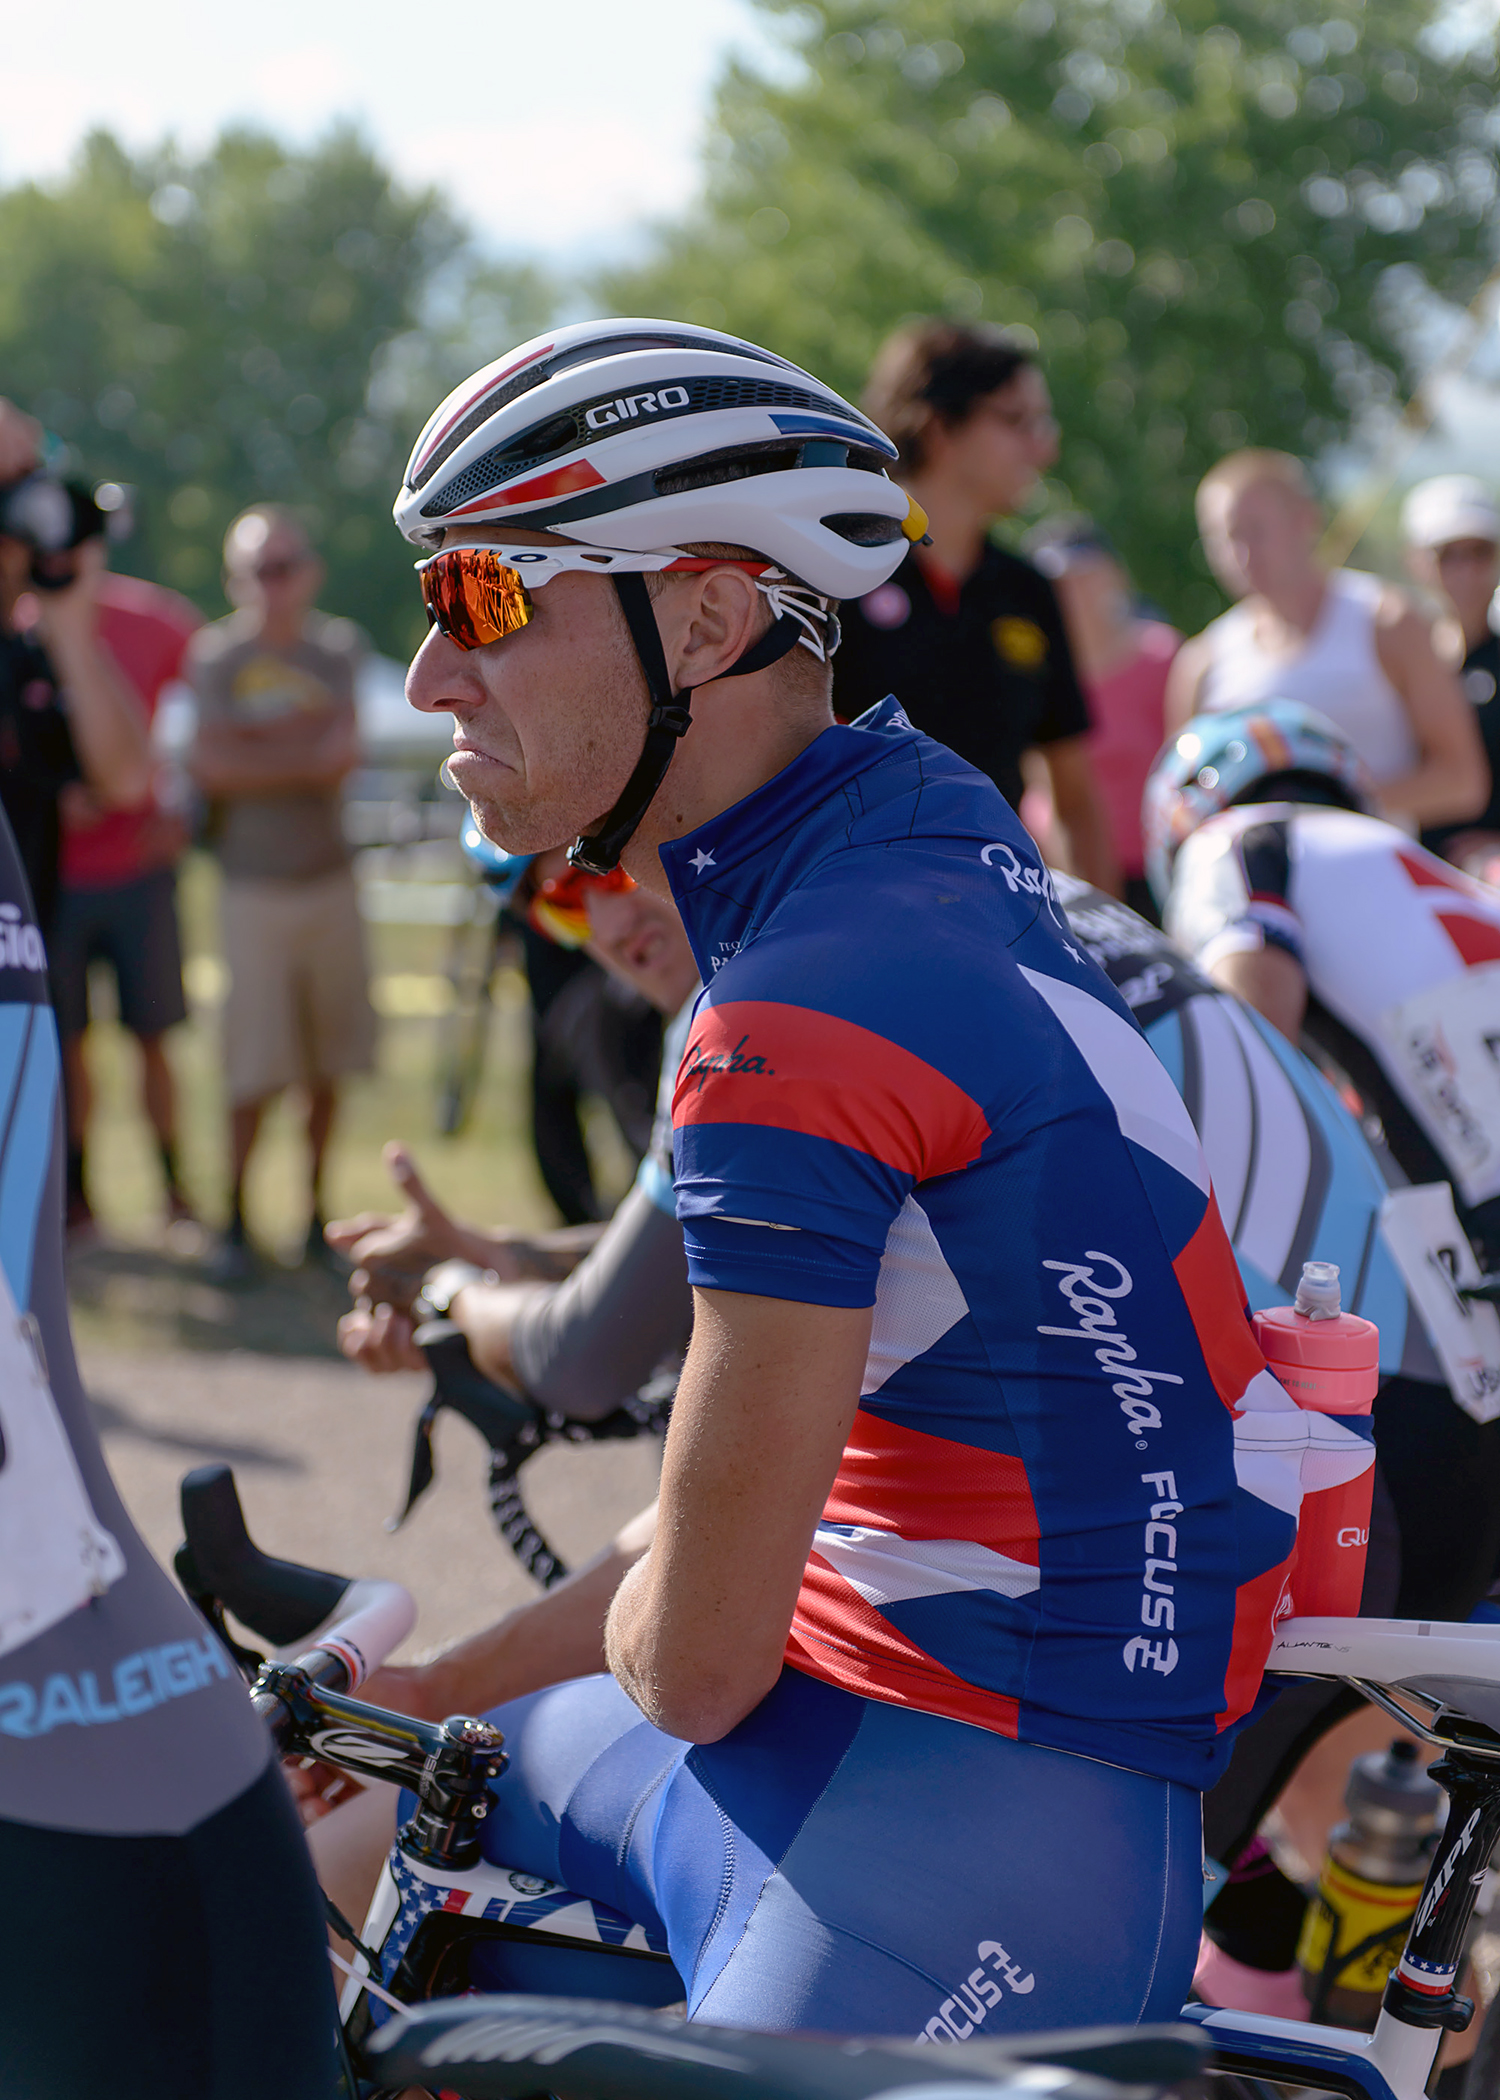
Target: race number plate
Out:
[1431,1250]
[57,1553]
[1443,1051]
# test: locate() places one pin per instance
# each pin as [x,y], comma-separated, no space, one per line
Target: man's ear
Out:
[722,616]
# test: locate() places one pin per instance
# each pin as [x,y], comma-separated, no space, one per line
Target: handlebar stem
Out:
[448,1764]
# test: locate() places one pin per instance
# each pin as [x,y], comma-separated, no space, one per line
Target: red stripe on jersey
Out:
[471,401]
[1430,874]
[1210,1283]
[562,481]
[791,1068]
[837,1636]
[1256,1604]
[897,1479]
[1477,940]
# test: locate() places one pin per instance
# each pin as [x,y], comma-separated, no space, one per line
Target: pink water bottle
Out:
[1328,1360]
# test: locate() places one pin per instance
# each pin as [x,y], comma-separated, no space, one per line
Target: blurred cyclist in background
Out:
[1451,527]
[1123,658]
[1345,643]
[966,634]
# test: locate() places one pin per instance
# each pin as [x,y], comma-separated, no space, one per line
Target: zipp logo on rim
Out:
[628,407]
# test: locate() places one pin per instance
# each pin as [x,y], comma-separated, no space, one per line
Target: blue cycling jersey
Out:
[1067,1504]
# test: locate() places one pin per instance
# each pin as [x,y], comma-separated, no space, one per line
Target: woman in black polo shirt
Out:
[967,635]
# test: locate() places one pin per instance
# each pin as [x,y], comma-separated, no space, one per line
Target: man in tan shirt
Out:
[276,736]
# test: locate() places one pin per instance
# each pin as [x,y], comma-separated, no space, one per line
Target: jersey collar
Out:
[725,871]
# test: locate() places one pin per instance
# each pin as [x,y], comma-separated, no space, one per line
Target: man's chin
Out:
[516,831]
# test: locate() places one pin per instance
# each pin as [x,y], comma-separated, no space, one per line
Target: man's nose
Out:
[436,680]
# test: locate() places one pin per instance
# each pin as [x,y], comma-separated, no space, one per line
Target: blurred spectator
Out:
[66,713]
[276,736]
[967,635]
[1346,643]
[1123,659]
[117,901]
[1452,531]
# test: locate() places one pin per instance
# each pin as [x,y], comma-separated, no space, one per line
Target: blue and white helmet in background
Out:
[499,871]
[1218,760]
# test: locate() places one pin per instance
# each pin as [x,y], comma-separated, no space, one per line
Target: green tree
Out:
[255,324]
[1217,219]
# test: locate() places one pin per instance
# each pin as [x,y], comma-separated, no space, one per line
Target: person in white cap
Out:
[1451,526]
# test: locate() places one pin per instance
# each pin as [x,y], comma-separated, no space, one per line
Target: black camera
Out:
[54,517]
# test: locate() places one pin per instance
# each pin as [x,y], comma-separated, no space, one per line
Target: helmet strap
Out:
[669,719]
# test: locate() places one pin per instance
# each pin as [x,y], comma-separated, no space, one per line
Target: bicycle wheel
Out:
[464,1033]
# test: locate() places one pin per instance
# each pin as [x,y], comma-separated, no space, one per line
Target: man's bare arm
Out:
[1083,841]
[554,1637]
[1185,683]
[1451,781]
[1271,981]
[767,1399]
[105,717]
[225,762]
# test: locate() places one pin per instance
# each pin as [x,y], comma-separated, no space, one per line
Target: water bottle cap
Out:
[1318,1291]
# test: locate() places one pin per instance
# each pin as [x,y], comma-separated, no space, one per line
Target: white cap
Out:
[1450,507]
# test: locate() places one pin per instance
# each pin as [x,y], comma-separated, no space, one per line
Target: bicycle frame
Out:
[1421,2001]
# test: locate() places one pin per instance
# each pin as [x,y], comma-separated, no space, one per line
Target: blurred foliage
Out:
[1221,221]
[259,323]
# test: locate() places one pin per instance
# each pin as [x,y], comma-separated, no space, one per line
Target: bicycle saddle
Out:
[1448,1664]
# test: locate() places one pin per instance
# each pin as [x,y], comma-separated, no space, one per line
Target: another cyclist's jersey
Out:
[906,1087]
[1402,956]
[119,1711]
[1295,1177]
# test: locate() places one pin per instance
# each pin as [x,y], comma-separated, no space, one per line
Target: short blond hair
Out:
[1252,467]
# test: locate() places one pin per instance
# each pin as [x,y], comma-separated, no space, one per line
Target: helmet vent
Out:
[595,351]
[570,431]
[863,530]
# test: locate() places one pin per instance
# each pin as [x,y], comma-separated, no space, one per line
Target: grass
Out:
[139,1289]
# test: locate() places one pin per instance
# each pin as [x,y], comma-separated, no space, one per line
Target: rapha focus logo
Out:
[700,1063]
[1091,1300]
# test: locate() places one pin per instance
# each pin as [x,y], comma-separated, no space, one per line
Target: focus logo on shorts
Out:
[976,1998]
[627,407]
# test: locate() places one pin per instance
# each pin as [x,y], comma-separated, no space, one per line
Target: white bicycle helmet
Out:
[641,438]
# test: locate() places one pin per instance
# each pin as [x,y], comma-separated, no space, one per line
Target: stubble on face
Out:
[560,729]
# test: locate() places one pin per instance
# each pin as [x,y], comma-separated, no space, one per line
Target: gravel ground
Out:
[320,1452]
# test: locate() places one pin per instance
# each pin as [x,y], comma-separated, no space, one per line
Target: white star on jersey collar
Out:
[702,860]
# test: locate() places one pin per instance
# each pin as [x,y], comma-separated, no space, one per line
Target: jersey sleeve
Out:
[1231,894]
[797,1135]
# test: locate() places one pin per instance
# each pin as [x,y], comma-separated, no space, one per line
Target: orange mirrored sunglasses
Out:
[559,907]
[472,597]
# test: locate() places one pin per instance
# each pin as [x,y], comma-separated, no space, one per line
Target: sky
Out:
[558,129]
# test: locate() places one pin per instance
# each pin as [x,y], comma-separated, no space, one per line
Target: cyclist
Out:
[1276,878]
[583,1345]
[139,1813]
[965,1319]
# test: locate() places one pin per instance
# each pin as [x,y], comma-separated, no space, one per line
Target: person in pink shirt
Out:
[117,897]
[1123,658]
